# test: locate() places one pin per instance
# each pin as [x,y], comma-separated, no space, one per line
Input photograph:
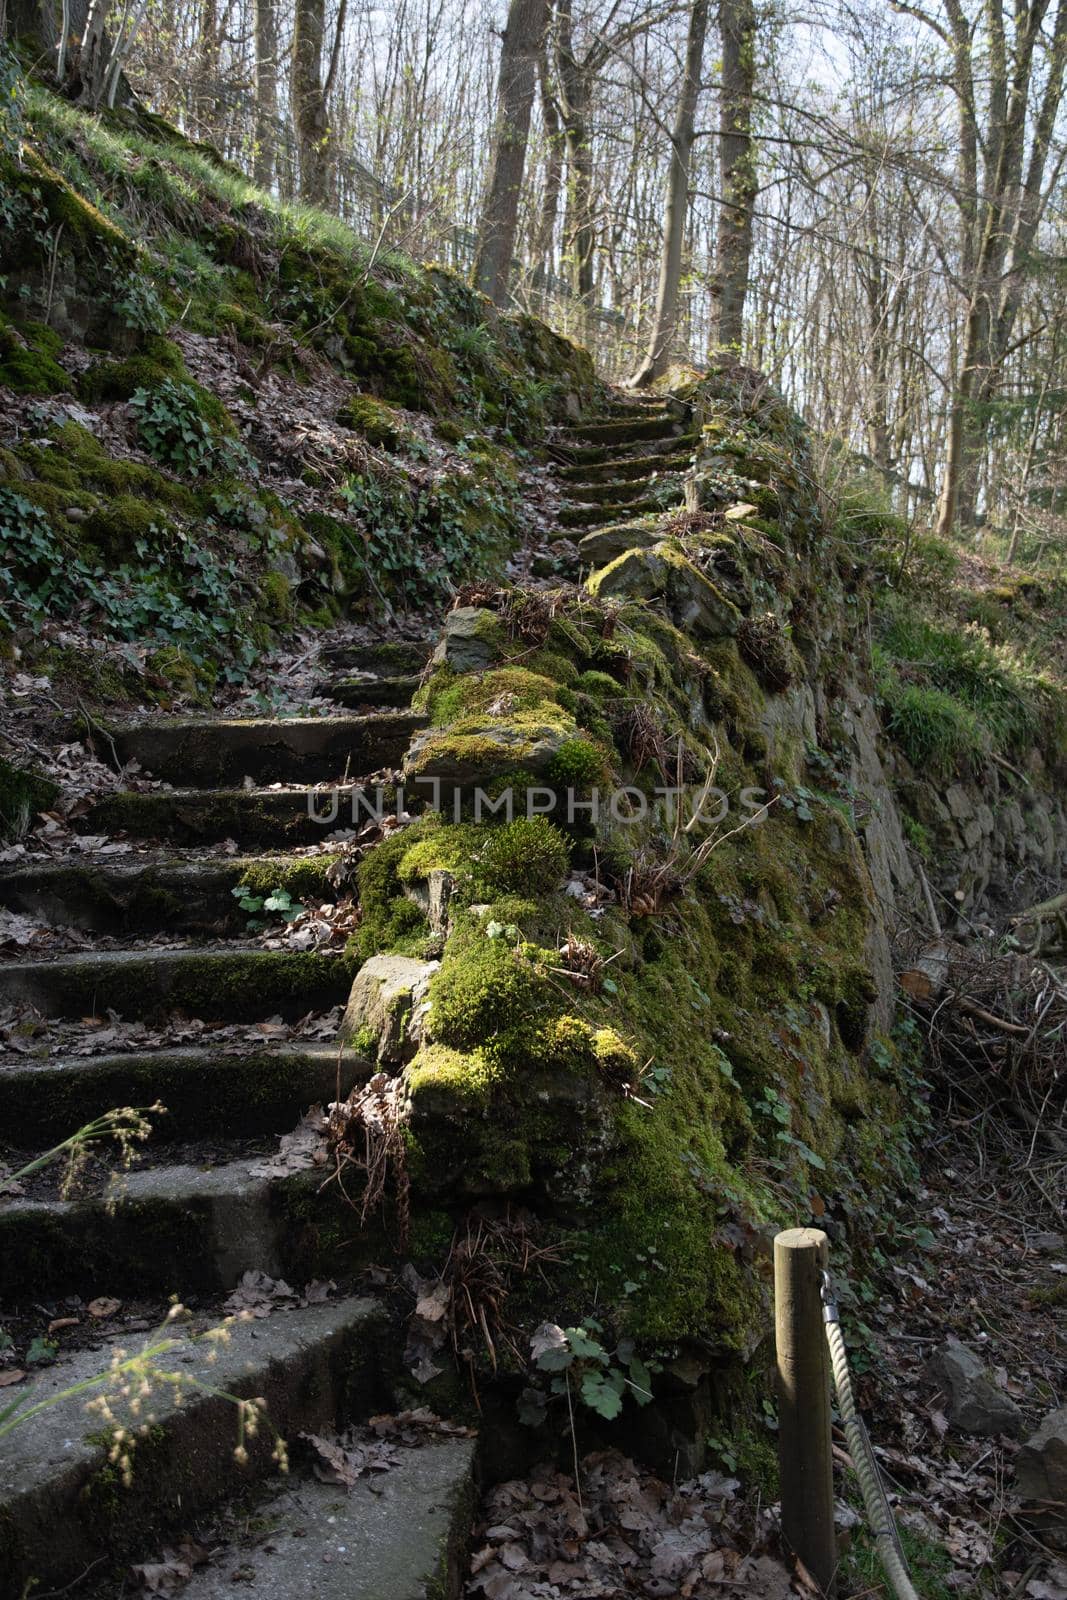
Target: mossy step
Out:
[374,691]
[387,658]
[224,1090]
[156,893]
[253,818]
[596,549]
[643,466]
[618,491]
[595,516]
[170,1229]
[210,751]
[147,985]
[613,454]
[623,430]
[402,1534]
[63,1508]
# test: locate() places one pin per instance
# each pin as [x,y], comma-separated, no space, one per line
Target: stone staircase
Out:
[619,468]
[160,935]
[204,1206]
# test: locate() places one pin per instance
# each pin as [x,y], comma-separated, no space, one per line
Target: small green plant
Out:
[279,903]
[578,1365]
[170,426]
[139,306]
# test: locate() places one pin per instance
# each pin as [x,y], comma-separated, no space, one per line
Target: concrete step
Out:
[171,1228]
[212,752]
[571,516]
[63,1507]
[401,1535]
[252,817]
[153,893]
[374,691]
[621,430]
[227,985]
[389,658]
[643,466]
[225,1090]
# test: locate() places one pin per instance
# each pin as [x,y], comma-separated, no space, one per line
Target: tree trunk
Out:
[95,56]
[309,102]
[737,174]
[266,92]
[575,97]
[665,322]
[515,91]
[543,251]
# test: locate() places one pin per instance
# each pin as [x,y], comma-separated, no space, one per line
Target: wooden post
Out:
[804,1453]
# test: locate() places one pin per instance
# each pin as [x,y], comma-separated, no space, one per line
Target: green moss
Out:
[304,878]
[376,421]
[28,359]
[486,995]
[276,595]
[529,854]
[579,764]
[450,847]
[23,793]
[389,920]
[511,695]
[118,380]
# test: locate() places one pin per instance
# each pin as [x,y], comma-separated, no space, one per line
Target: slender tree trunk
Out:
[266,92]
[665,321]
[543,245]
[575,97]
[515,91]
[309,102]
[737,173]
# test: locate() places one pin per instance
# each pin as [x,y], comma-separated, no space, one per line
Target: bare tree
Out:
[522,40]
[737,172]
[664,323]
[309,101]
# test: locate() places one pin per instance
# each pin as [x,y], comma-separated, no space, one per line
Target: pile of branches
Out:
[997,1026]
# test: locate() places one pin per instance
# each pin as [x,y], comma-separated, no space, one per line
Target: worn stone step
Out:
[403,1535]
[223,1090]
[251,817]
[235,985]
[595,516]
[154,893]
[596,549]
[623,430]
[596,455]
[63,1508]
[216,752]
[171,1228]
[615,491]
[374,691]
[388,658]
[644,466]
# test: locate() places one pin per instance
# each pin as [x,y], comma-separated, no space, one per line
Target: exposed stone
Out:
[663,573]
[471,640]
[433,895]
[386,994]
[596,549]
[974,1403]
[468,759]
[1041,1474]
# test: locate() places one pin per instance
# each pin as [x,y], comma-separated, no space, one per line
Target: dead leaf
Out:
[103,1307]
[12,1375]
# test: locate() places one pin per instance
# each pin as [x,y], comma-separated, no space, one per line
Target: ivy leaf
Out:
[600,1395]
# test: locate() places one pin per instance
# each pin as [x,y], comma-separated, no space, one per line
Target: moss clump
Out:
[579,764]
[448,847]
[528,855]
[28,359]
[486,995]
[376,421]
[510,695]
[389,920]
[120,380]
[22,794]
